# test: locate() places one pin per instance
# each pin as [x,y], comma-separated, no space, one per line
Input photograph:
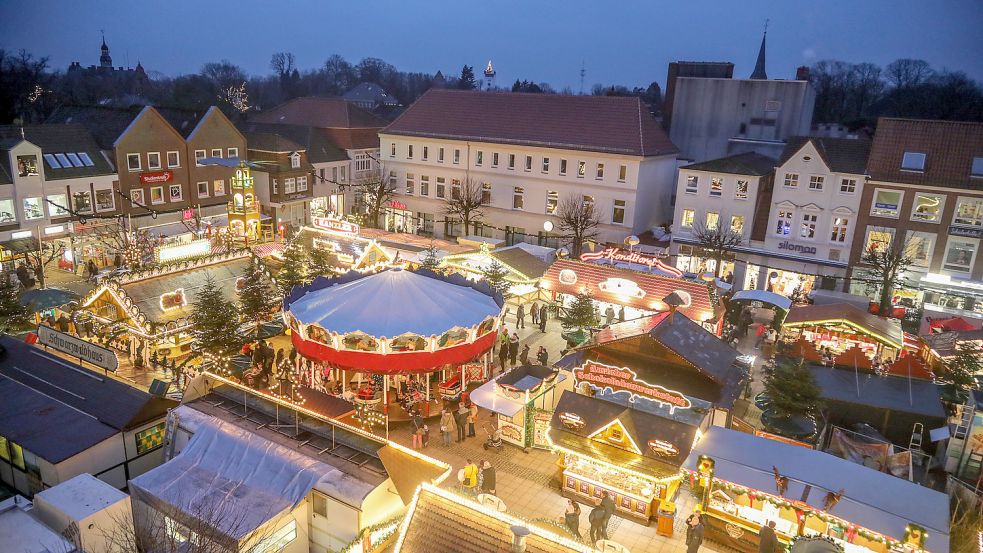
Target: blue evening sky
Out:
[620,41]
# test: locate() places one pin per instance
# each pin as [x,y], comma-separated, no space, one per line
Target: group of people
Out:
[768,541]
[598,518]
[539,313]
[461,422]
[477,477]
[509,353]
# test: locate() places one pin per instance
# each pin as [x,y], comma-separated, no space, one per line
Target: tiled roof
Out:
[841,155]
[369,92]
[270,142]
[105,123]
[58,139]
[184,121]
[949,148]
[620,125]
[320,112]
[319,145]
[749,163]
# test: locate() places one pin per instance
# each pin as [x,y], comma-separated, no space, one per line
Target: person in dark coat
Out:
[607,503]
[543,316]
[596,520]
[621,314]
[543,356]
[524,355]
[520,316]
[513,348]
[461,420]
[767,539]
[503,355]
[572,518]
[694,532]
[487,478]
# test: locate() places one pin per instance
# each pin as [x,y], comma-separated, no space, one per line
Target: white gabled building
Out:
[528,152]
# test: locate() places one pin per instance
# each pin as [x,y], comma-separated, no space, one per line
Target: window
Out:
[563,167]
[920,248]
[479,158]
[740,191]
[546,165]
[277,540]
[233,153]
[149,439]
[86,160]
[588,200]
[848,186]
[342,174]
[17,455]
[618,216]
[275,188]
[486,193]
[517,197]
[816,182]
[716,187]
[440,188]
[74,158]
[927,208]
[622,173]
[839,228]
[737,224]
[173,159]
[424,185]
[887,203]
[808,228]
[302,184]
[153,160]
[218,188]
[426,154]
[33,208]
[457,156]
[581,169]
[511,161]
[289,185]
[600,171]
[136,196]
[878,239]
[791,180]
[133,162]
[7,214]
[52,161]
[552,199]
[199,155]
[713,220]
[495,159]
[528,163]
[410,183]
[157,195]
[4,449]
[977,169]
[692,184]
[105,200]
[295,160]
[440,155]
[82,201]
[216,152]
[392,149]
[175,192]
[969,211]
[203,189]
[57,205]
[455,189]
[688,217]
[364,163]
[960,253]
[913,161]
[784,226]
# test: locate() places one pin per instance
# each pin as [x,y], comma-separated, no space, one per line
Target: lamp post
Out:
[631,242]
[547,227]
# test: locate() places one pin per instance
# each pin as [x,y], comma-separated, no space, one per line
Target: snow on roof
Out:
[872,499]
[21,532]
[81,497]
[392,303]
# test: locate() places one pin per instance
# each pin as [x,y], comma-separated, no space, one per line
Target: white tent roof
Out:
[872,499]
[764,296]
[394,302]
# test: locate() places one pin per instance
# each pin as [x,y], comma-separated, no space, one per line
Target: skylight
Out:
[913,161]
[977,169]
[74,158]
[86,160]
[52,161]
[63,160]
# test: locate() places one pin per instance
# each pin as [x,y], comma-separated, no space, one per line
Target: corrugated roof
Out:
[609,124]
[949,148]
[749,163]
[841,155]
[320,112]
[56,139]
[895,393]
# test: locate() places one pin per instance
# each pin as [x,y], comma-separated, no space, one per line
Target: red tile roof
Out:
[588,123]
[949,148]
[325,113]
[655,287]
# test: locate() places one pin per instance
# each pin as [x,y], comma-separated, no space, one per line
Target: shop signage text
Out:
[336,226]
[662,448]
[572,421]
[968,232]
[619,255]
[396,204]
[623,379]
[797,248]
[172,300]
[77,347]
[157,177]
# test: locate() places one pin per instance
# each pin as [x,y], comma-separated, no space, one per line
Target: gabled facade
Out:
[282,178]
[214,136]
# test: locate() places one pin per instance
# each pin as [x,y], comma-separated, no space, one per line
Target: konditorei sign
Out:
[156,177]
[619,255]
[77,347]
[623,379]
[336,226]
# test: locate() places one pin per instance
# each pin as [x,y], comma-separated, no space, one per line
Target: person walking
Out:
[694,532]
[417,430]
[596,520]
[513,348]
[572,518]
[447,426]
[607,503]
[767,539]
[470,477]
[609,315]
[487,478]
[760,333]
[524,355]
[534,312]
[543,316]
[472,418]
[460,419]
[520,316]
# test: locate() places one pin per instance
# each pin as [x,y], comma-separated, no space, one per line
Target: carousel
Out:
[396,342]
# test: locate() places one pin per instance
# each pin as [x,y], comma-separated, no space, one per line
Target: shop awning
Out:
[484,396]
[871,499]
[763,296]
[18,246]
[883,330]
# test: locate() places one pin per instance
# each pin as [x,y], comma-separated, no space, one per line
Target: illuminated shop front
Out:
[693,259]
[842,327]
[523,268]
[340,240]
[523,400]
[745,481]
[332,205]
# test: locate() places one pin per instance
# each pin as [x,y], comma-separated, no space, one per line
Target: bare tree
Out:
[578,221]
[282,63]
[37,259]
[716,241]
[465,203]
[377,189]
[886,262]
[907,72]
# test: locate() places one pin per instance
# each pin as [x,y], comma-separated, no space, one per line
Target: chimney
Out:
[519,534]
[802,73]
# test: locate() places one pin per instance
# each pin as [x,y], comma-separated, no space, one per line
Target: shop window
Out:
[737,224]
[784,225]
[7,212]
[57,205]
[424,185]
[713,219]
[878,239]
[848,186]
[149,439]
[359,341]
[839,229]
[692,184]
[927,208]
[969,211]
[552,200]
[408,342]
[687,219]
[960,253]
[218,187]
[716,187]
[173,159]
[153,160]
[441,192]
[486,193]
[791,180]
[919,248]
[82,201]
[887,203]
[133,162]
[105,200]
[27,166]
[33,208]
[740,192]
[157,195]
[176,192]
[136,196]
[517,192]
[618,216]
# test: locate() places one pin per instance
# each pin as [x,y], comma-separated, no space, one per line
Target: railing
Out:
[243,209]
[964,492]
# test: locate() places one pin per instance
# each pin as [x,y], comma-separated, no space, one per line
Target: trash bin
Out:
[666,516]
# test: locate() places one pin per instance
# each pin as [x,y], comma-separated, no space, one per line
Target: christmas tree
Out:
[13,315]
[581,313]
[319,264]
[294,271]
[256,297]
[430,259]
[214,321]
[495,276]
[792,389]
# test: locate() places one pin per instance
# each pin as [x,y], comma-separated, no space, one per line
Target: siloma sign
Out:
[623,379]
[797,248]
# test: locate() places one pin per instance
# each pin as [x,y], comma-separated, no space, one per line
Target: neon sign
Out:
[618,255]
[623,379]
[663,448]
[337,226]
[572,421]
[173,300]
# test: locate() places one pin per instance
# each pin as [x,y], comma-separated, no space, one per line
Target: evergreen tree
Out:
[792,389]
[214,321]
[430,259]
[466,81]
[256,298]
[960,370]
[294,271]
[581,313]
[319,264]
[13,315]
[495,276]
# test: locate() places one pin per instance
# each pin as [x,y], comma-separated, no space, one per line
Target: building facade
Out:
[527,153]
[282,178]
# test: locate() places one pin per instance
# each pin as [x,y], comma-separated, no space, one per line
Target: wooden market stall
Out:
[523,267]
[744,481]
[346,249]
[841,326]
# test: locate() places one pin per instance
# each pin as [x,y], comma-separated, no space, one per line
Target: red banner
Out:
[157,177]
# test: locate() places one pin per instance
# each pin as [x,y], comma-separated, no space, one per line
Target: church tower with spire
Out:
[105,60]
[759,72]
[489,76]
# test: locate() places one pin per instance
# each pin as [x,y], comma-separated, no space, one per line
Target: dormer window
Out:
[913,161]
[295,160]
[977,169]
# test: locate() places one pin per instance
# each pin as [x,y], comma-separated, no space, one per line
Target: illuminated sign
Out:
[396,204]
[568,276]
[663,448]
[77,347]
[619,255]
[623,379]
[572,421]
[195,248]
[621,287]
[157,177]
[336,226]
[173,300]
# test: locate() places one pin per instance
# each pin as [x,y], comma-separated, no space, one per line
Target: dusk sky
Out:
[625,42]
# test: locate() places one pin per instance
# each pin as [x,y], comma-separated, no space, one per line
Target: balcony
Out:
[244,210]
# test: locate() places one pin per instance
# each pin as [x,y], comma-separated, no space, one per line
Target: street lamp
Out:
[547,226]
[631,242]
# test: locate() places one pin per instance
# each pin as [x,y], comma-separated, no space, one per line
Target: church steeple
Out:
[105,60]
[759,66]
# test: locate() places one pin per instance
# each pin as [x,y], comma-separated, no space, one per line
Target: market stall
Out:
[523,400]
[744,481]
[840,327]
[523,267]
[346,249]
